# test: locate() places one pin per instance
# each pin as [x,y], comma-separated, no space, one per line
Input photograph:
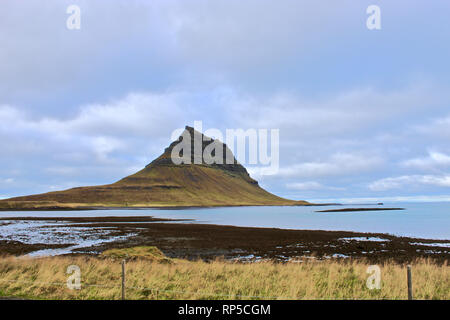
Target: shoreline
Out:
[93,208]
[183,239]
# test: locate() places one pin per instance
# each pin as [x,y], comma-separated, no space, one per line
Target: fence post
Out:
[410,291]
[123,279]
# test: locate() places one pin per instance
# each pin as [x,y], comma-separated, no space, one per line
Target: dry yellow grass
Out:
[46,278]
[140,252]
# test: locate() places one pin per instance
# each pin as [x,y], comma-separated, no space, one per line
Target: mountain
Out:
[163,183]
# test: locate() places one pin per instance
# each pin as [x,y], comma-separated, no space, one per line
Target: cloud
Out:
[412,198]
[339,164]
[437,128]
[409,181]
[292,29]
[333,138]
[136,114]
[153,45]
[435,160]
[257,45]
[349,112]
[98,144]
[38,46]
[143,114]
[95,104]
[310,185]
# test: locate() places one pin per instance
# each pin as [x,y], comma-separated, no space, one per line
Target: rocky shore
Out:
[184,239]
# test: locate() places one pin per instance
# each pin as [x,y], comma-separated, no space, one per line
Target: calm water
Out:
[422,220]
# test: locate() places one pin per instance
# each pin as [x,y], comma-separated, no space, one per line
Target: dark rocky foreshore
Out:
[193,241]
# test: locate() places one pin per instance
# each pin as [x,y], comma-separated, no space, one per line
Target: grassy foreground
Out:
[162,278]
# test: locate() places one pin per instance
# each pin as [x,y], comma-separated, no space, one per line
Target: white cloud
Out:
[111,137]
[310,185]
[350,112]
[102,146]
[143,115]
[433,161]
[374,200]
[337,165]
[62,171]
[36,44]
[234,34]
[410,181]
[7,180]
[438,128]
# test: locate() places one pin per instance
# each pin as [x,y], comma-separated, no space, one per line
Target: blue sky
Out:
[363,114]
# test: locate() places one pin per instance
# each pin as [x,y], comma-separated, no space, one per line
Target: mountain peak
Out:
[197,149]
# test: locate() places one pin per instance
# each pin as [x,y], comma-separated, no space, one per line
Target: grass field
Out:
[157,277]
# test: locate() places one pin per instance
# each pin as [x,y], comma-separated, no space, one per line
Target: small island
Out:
[359,209]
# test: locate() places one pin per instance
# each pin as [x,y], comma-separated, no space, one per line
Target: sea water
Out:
[418,220]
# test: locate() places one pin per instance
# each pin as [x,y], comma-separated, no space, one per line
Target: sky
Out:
[363,115]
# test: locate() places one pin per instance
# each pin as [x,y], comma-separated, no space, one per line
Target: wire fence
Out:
[157,291]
